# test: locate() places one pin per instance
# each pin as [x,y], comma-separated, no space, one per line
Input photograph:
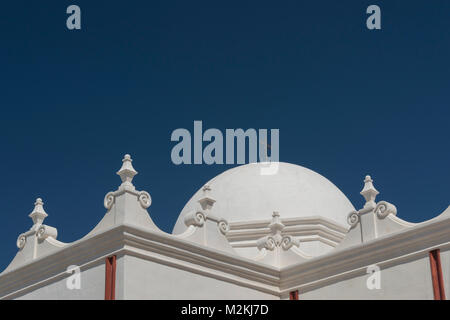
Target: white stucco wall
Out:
[409,280]
[149,280]
[92,287]
[315,248]
[120,276]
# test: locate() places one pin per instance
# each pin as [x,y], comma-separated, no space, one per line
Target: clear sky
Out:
[348,101]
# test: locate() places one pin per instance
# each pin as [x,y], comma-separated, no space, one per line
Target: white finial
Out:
[206,201]
[127,171]
[38,215]
[369,192]
[276,225]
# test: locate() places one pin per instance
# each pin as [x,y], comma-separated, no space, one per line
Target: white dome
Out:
[243,194]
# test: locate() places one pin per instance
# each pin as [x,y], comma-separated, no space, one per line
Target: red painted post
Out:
[293,295]
[110,278]
[436,275]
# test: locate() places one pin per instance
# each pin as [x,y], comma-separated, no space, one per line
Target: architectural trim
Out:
[375,235]
[157,246]
[385,251]
[324,230]
[167,249]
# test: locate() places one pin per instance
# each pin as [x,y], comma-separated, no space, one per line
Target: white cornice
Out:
[288,222]
[164,248]
[81,252]
[178,253]
[309,229]
[393,248]
[127,229]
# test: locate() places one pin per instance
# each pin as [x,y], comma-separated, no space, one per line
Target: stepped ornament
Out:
[127,174]
[382,209]
[353,219]
[40,230]
[369,192]
[276,239]
[204,212]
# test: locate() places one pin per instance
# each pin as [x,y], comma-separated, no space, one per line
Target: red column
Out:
[110,278]
[436,275]
[293,295]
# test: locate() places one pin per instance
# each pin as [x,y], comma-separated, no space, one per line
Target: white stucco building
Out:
[244,235]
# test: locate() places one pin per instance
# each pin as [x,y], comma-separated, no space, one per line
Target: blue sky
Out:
[348,101]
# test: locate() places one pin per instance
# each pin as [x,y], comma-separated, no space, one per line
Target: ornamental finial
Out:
[276,225]
[127,171]
[369,192]
[38,215]
[206,201]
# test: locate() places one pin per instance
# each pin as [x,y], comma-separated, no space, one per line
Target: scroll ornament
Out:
[271,242]
[224,227]
[21,241]
[195,218]
[143,197]
[383,209]
[199,217]
[45,231]
[126,174]
[353,219]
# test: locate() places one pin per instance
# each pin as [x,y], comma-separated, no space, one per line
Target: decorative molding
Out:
[392,248]
[353,219]
[45,231]
[39,230]
[245,234]
[276,239]
[383,209]
[195,219]
[127,174]
[291,222]
[144,199]
[21,241]
[168,249]
[269,243]
[288,241]
[109,200]
[163,248]
[204,212]
[224,227]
